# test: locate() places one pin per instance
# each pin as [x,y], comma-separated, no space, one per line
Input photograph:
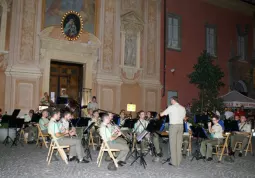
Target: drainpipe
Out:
[164,55]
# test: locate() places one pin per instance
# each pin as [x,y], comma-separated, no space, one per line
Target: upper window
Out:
[174,32]
[241,46]
[211,40]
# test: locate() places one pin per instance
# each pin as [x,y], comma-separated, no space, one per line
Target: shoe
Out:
[122,162]
[170,164]
[240,154]
[82,161]
[231,153]
[209,159]
[74,158]
[111,166]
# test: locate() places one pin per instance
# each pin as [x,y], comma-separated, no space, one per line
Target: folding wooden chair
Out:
[221,148]
[55,146]
[238,145]
[22,135]
[105,147]
[41,135]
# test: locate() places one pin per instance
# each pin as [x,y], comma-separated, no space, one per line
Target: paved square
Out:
[30,161]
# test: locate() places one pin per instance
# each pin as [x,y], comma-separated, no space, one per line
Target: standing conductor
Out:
[176,114]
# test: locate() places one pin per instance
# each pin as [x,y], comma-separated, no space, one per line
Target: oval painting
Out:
[71,25]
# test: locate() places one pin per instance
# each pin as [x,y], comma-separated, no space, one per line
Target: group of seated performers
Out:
[216,136]
[118,130]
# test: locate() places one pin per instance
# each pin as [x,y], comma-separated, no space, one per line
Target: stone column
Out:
[23,73]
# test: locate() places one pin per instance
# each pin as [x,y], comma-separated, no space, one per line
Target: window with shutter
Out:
[211,40]
[173,32]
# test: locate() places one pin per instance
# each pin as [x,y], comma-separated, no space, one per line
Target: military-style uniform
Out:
[243,127]
[76,148]
[93,105]
[106,132]
[217,138]
[42,123]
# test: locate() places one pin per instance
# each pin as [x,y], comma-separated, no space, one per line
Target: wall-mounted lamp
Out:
[172,70]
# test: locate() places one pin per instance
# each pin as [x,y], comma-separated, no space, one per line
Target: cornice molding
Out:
[236,5]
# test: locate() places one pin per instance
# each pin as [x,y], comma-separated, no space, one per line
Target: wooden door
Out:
[66,76]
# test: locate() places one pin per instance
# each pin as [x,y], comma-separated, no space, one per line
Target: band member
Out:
[186,129]
[242,135]
[95,118]
[111,135]
[148,116]
[30,128]
[44,122]
[216,138]
[65,122]
[76,149]
[176,114]
[122,119]
[93,104]
[45,101]
[140,126]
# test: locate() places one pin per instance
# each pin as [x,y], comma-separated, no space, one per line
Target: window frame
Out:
[211,26]
[245,37]
[179,18]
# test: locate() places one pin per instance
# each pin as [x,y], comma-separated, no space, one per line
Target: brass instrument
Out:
[117,129]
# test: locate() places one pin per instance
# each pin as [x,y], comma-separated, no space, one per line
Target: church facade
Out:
[118,52]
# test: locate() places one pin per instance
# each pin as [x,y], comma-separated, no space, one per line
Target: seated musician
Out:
[95,118]
[140,126]
[216,138]
[29,127]
[122,119]
[186,130]
[242,135]
[65,122]
[149,116]
[111,135]
[93,104]
[76,149]
[45,101]
[44,121]
[90,113]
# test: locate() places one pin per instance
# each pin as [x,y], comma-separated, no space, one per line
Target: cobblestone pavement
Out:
[30,161]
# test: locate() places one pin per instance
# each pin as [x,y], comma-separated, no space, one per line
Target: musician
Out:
[112,135]
[148,116]
[29,127]
[76,149]
[65,122]
[140,126]
[95,118]
[187,130]
[216,138]
[242,135]
[44,121]
[63,93]
[93,104]
[122,118]
[176,114]
[45,101]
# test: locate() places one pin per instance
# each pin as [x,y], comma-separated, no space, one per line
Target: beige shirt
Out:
[176,113]
[217,131]
[140,125]
[106,132]
[244,127]
[93,106]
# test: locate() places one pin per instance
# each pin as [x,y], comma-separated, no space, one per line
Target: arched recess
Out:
[55,47]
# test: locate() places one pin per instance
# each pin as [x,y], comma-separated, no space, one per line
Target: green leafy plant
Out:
[207,78]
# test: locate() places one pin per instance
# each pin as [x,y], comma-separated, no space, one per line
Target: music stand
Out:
[137,154]
[7,119]
[201,134]
[19,124]
[130,123]
[86,141]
